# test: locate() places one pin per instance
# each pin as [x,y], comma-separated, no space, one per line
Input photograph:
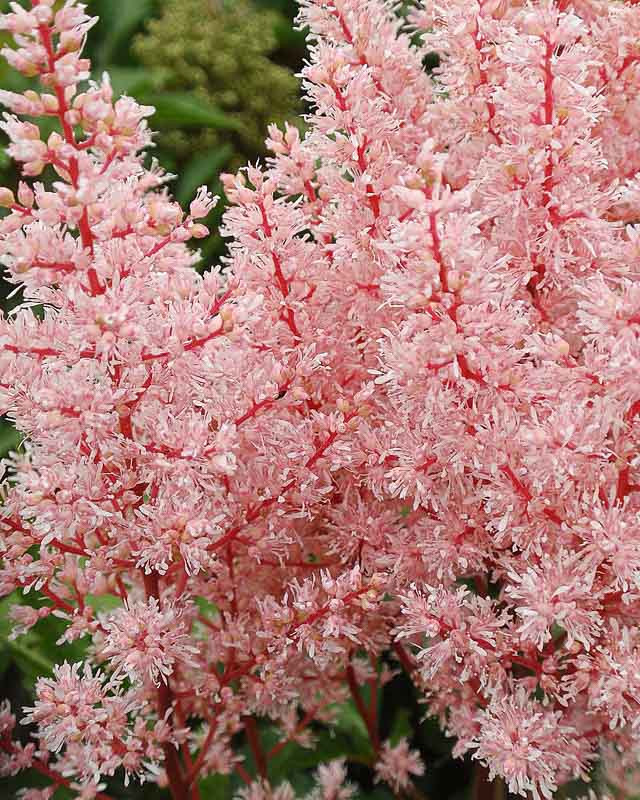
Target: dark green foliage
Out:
[222,62]
[217,86]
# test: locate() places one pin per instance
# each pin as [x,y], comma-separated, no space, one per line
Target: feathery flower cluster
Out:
[404,419]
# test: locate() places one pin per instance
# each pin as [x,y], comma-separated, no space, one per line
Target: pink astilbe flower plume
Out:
[401,420]
[144,641]
[396,765]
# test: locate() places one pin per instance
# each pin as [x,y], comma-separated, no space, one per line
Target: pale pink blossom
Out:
[527,745]
[397,764]
[144,641]
[332,782]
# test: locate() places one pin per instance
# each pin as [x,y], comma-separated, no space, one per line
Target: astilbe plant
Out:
[402,423]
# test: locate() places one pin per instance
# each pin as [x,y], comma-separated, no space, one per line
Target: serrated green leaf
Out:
[186,111]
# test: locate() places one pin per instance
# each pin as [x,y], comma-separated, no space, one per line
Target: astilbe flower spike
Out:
[403,419]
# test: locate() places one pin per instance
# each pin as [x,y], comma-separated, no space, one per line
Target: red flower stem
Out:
[406,659]
[40,766]
[184,748]
[242,772]
[367,718]
[245,669]
[83,224]
[199,762]
[374,685]
[177,783]
[253,739]
[306,720]
[254,512]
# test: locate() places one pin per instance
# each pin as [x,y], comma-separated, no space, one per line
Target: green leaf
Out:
[201,170]
[29,659]
[5,625]
[24,653]
[175,109]
[302,783]
[36,652]
[46,634]
[346,738]
[288,37]
[133,81]
[215,786]
[206,606]
[293,758]
[119,19]
[9,438]
[401,727]
[103,602]
[350,723]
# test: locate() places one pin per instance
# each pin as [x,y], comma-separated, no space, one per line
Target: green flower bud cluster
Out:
[219,51]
